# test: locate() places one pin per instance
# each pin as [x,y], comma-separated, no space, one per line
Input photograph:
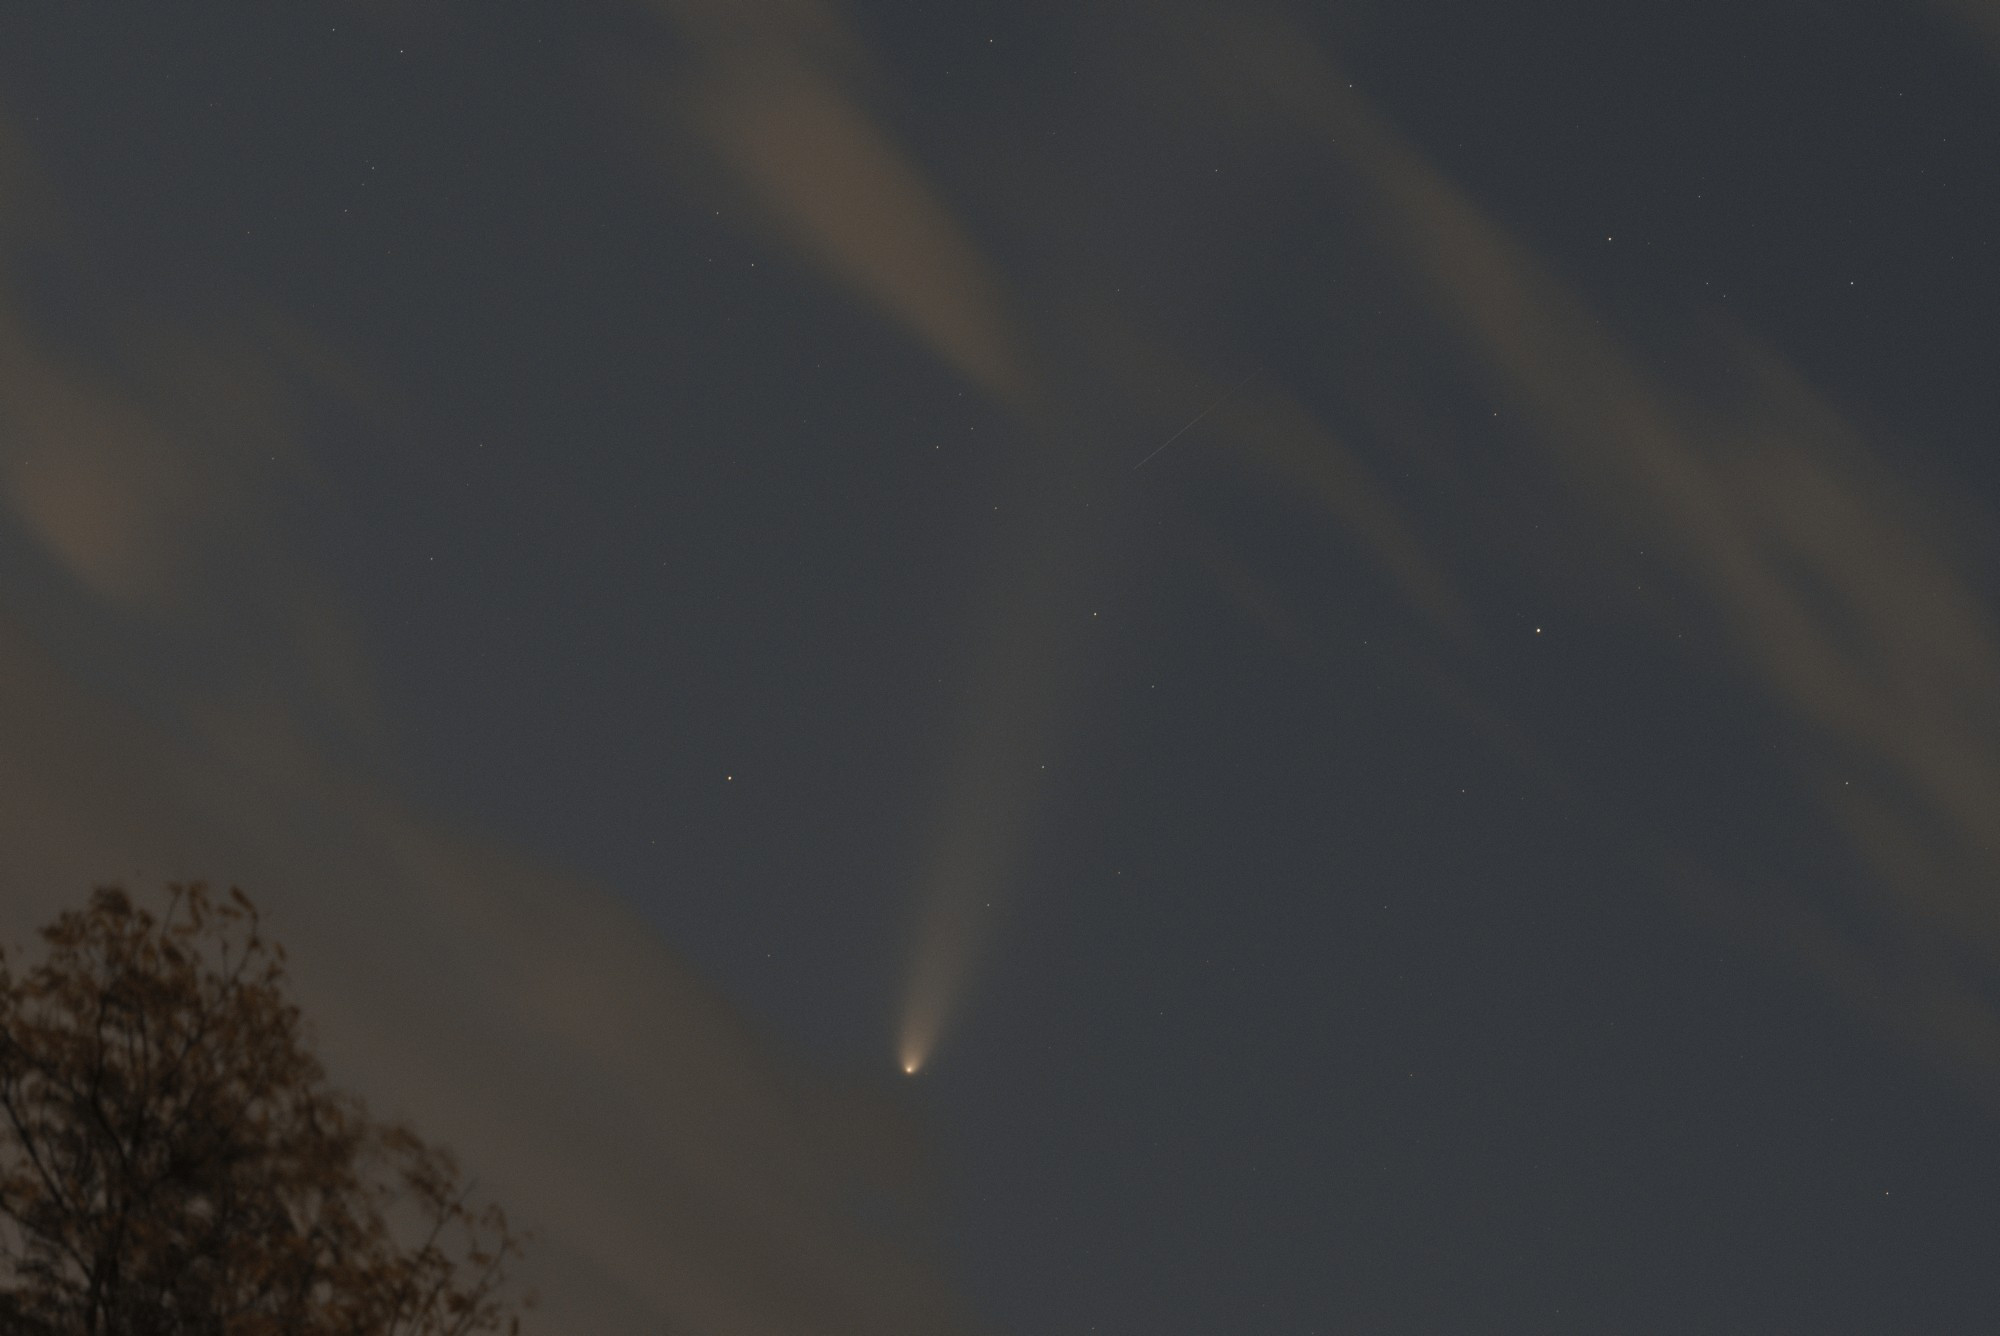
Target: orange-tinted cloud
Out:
[768,98]
[1979,17]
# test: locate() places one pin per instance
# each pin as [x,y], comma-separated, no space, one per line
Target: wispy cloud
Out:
[1844,601]
[771,93]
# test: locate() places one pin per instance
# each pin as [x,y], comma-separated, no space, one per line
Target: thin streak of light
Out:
[1191,422]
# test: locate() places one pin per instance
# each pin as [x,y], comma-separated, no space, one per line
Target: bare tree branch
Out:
[172,1159]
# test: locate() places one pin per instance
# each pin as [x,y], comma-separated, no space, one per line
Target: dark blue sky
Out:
[1489,830]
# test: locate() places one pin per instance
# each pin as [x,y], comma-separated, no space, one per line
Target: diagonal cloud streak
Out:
[1841,599]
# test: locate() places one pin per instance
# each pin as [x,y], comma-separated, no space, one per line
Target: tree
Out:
[173,1163]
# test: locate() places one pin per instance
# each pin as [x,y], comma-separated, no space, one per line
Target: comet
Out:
[1051,569]
[950,935]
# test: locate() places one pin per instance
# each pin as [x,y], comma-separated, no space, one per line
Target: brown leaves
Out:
[172,1159]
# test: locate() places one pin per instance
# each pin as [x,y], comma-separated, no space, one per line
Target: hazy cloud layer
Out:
[676,1166]
[181,701]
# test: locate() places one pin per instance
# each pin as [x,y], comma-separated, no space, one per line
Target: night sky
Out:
[1041,668]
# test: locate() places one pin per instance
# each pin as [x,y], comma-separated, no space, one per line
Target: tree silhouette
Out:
[173,1163]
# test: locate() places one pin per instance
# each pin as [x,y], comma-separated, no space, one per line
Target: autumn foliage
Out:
[173,1162]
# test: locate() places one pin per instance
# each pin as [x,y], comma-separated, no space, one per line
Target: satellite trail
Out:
[1191,421]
